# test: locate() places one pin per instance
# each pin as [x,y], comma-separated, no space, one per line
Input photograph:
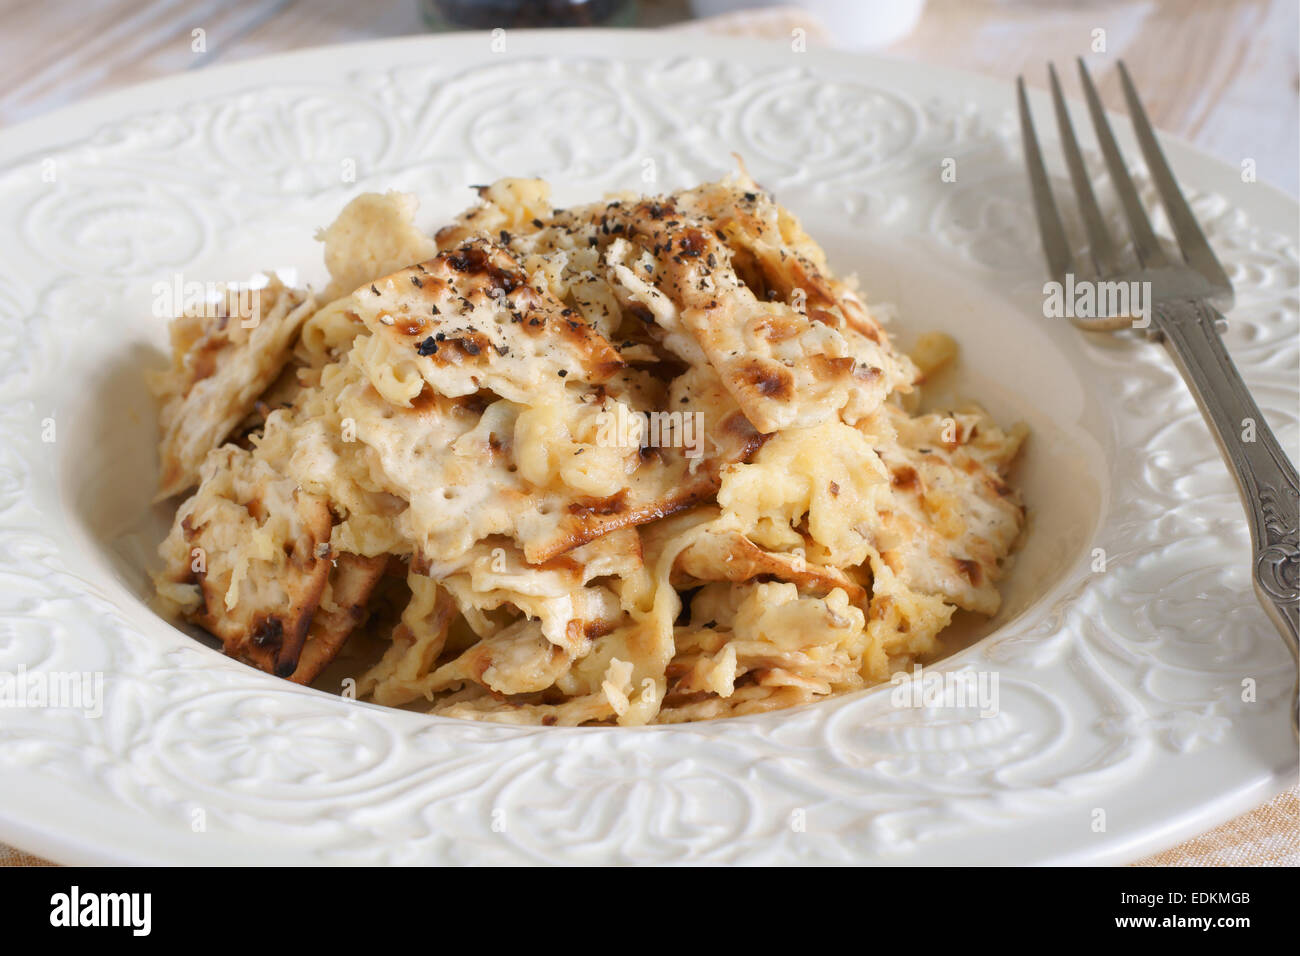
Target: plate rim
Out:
[229,78]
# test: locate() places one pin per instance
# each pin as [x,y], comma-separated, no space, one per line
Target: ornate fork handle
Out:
[1265,476]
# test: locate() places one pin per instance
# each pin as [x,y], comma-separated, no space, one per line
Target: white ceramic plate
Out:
[1121,726]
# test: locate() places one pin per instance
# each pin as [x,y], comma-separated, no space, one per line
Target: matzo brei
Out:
[640,461]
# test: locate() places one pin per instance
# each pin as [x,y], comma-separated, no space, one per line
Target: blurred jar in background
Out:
[506,14]
[853,24]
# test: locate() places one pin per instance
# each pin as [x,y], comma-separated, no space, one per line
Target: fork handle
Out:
[1265,475]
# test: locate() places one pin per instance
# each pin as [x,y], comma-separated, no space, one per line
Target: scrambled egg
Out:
[645,460]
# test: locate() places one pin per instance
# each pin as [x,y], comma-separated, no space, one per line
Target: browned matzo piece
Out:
[951,518]
[727,555]
[730,277]
[516,660]
[342,608]
[220,366]
[786,367]
[258,549]
[468,320]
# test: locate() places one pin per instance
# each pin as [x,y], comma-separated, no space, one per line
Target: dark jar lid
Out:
[520,14]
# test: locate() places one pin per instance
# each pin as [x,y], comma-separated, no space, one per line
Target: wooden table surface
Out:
[1219,73]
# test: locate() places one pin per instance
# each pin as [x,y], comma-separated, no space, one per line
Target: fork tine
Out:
[1195,249]
[1055,245]
[1099,242]
[1145,243]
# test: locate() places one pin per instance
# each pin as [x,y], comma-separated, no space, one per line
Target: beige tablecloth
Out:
[1267,836]
[1208,106]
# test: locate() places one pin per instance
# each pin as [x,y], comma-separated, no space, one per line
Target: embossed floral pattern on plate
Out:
[1119,691]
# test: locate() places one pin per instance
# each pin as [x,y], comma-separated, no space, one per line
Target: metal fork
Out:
[1186,294]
